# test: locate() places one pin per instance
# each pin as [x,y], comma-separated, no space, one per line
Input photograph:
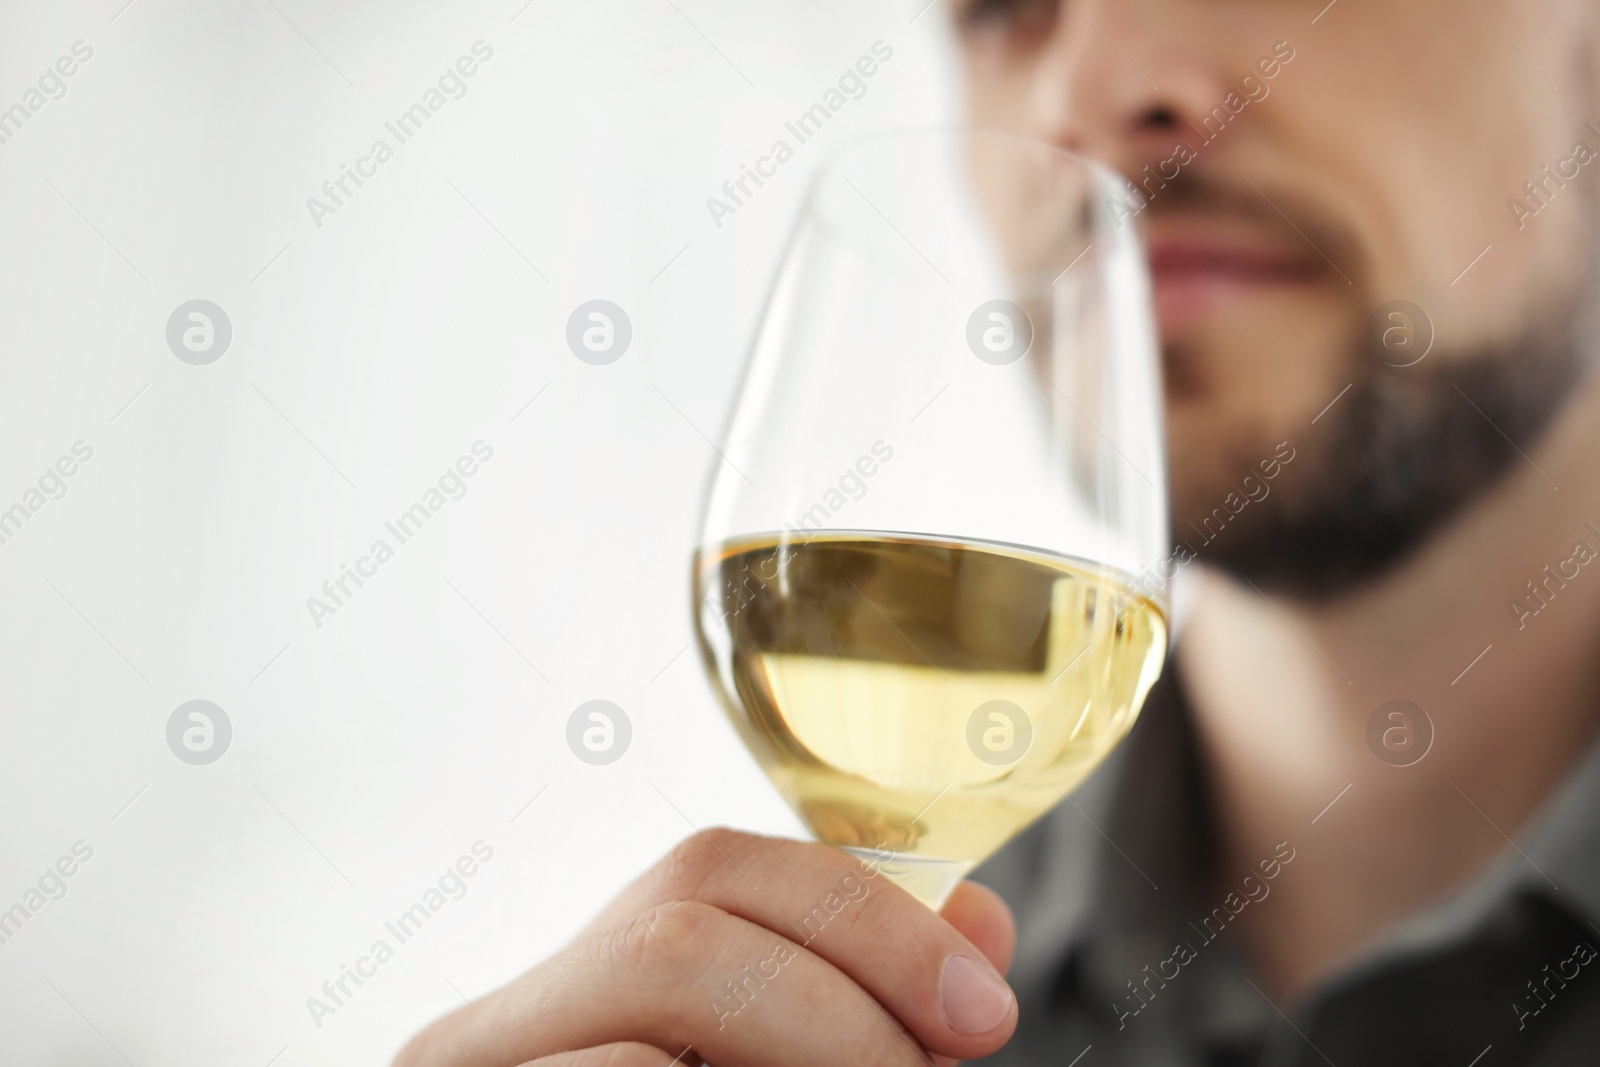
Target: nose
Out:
[1122,81]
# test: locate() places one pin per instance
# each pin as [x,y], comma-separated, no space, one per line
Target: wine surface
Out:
[920,699]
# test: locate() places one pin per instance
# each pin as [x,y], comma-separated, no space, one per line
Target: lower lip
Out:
[1186,297]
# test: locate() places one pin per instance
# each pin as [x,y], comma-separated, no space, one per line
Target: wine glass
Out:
[931,583]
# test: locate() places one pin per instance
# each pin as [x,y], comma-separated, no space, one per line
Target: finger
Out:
[985,920]
[980,914]
[681,974]
[621,1054]
[922,969]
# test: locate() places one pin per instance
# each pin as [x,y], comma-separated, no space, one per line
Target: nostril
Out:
[1159,118]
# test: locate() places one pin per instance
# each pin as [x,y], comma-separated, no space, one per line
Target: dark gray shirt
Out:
[1124,957]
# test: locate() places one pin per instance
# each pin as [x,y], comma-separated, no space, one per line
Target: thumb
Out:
[983,918]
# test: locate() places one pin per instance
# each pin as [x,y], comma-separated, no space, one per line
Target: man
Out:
[1373,238]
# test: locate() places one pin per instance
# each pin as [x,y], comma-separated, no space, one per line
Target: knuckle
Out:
[684,871]
[429,1045]
[669,937]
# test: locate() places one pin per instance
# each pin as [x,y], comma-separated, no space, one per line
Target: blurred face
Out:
[1298,179]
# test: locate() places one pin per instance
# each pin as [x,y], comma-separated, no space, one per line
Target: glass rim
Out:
[814,216]
[950,131]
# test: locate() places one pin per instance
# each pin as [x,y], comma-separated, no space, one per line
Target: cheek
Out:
[997,90]
[1423,126]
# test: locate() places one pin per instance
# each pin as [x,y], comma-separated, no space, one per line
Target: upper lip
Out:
[1225,251]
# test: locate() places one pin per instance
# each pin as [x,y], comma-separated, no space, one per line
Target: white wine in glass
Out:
[930,587]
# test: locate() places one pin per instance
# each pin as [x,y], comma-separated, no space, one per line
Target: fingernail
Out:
[974,998]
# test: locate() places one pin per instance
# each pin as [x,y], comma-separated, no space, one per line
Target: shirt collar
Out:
[1557,858]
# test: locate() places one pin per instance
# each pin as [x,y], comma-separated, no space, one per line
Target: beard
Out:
[1411,444]
[1406,450]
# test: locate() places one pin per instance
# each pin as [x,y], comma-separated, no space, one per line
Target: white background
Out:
[370,753]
